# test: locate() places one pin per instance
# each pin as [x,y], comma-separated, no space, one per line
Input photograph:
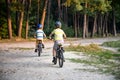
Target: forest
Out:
[80,18]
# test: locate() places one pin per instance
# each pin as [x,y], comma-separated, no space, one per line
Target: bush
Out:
[4,31]
[68,30]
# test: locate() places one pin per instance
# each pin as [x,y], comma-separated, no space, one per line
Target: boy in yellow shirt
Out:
[59,36]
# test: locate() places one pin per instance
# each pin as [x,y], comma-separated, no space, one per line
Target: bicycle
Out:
[59,55]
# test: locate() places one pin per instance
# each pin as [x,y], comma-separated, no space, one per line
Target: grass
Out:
[90,48]
[105,61]
[114,44]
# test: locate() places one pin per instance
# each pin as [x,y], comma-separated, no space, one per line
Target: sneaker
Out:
[53,59]
[35,50]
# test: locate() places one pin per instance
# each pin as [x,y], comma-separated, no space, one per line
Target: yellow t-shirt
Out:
[58,34]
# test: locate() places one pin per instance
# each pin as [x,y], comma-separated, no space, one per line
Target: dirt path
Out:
[18,63]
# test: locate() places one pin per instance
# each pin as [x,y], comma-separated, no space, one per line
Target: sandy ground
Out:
[24,64]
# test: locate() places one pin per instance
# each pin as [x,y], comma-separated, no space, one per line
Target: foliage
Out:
[68,31]
[105,6]
[48,29]
[117,13]
[17,6]
[4,31]
[72,6]
[23,30]
[3,21]
[93,5]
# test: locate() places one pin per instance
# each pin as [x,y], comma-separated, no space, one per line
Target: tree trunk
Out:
[48,15]
[44,13]
[78,24]
[75,24]
[65,15]
[27,17]
[17,21]
[85,23]
[103,26]
[38,11]
[9,19]
[59,9]
[98,20]
[114,24]
[21,21]
[20,24]
[106,25]
[94,26]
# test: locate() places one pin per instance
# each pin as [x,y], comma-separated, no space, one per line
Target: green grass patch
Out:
[119,50]
[92,48]
[105,61]
[115,44]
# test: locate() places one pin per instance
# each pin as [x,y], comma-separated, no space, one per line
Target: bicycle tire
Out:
[39,49]
[61,60]
[39,54]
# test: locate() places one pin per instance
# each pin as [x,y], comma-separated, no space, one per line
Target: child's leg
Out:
[54,52]
[42,44]
[54,55]
[36,45]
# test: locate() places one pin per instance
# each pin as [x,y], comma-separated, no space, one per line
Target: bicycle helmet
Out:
[39,26]
[58,24]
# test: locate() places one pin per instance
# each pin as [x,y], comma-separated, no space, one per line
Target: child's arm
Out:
[64,35]
[51,35]
[44,35]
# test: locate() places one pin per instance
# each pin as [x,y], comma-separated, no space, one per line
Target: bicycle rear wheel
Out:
[61,59]
[39,49]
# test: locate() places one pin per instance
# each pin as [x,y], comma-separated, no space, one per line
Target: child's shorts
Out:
[56,44]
